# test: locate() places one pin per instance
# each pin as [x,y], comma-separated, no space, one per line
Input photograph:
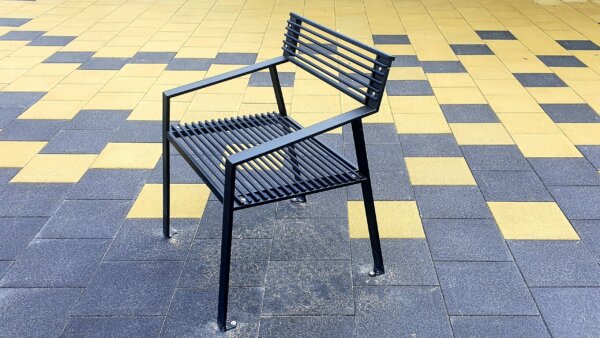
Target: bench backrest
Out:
[356,69]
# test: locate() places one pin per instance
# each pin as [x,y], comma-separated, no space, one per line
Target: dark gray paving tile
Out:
[56,263]
[539,80]
[330,203]
[400,311]
[298,327]
[592,153]
[21,35]
[408,88]
[189,64]
[263,79]
[142,240]
[484,288]
[153,57]
[471,49]
[138,131]
[561,61]
[310,239]
[578,45]
[51,41]
[19,99]
[578,202]
[498,326]
[565,171]
[194,313]
[576,112]
[495,158]
[427,145]
[33,312]
[31,199]
[388,185]
[109,184]
[406,61]
[381,157]
[443,67]
[391,40]
[406,261]
[570,312]
[129,288]
[589,232]
[469,113]
[495,35]
[8,115]
[451,202]
[6,174]
[235,58]
[375,133]
[69,57]
[104,63]
[555,263]
[98,119]
[31,130]
[308,288]
[181,172]
[78,142]
[4,266]
[511,186]
[13,22]
[115,327]
[256,222]
[86,219]
[465,240]
[18,232]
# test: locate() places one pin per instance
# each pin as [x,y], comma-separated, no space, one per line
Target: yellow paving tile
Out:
[480,134]
[439,171]
[16,154]
[75,92]
[395,219]
[53,110]
[450,80]
[33,83]
[316,104]
[152,111]
[90,76]
[120,84]
[555,95]
[513,104]
[528,123]
[421,124]
[414,105]
[55,168]
[53,69]
[187,201]
[407,73]
[125,101]
[216,102]
[545,145]
[129,156]
[466,95]
[142,70]
[313,87]
[582,133]
[532,221]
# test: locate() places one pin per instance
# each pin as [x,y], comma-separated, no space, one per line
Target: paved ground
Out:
[485,158]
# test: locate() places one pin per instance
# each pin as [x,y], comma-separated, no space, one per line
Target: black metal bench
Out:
[252,160]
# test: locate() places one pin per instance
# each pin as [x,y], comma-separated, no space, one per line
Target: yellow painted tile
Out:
[480,134]
[466,95]
[316,104]
[16,154]
[53,110]
[528,123]
[407,73]
[532,221]
[450,80]
[69,92]
[545,145]
[555,95]
[152,111]
[513,104]
[125,101]
[395,219]
[216,102]
[439,171]
[421,124]
[33,83]
[187,201]
[129,156]
[414,105]
[582,133]
[55,168]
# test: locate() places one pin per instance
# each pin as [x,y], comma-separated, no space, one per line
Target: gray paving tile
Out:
[310,239]
[400,311]
[468,49]
[51,41]
[495,35]
[31,199]
[142,240]
[511,186]
[443,67]
[578,202]
[575,112]
[235,58]
[69,57]
[495,158]
[18,232]
[539,80]
[570,312]
[578,45]
[32,130]
[153,57]
[298,327]
[308,288]
[427,145]
[408,88]
[56,263]
[484,288]
[129,288]
[256,222]
[4,266]
[78,142]
[13,22]
[138,131]
[561,61]
[109,184]
[189,64]
[181,172]
[330,203]
[592,153]
[86,219]
[469,113]
[565,171]
[465,240]
[499,326]
[21,35]
[451,202]
[406,261]
[98,119]
[104,63]
[263,79]
[8,115]
[381,157]
[19,99]
[375,133]
[115,327]
[406,61]
[6,174]
[589,232]
[194,313]
[388,185]
[391,40]
[555,263]
[33,312]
